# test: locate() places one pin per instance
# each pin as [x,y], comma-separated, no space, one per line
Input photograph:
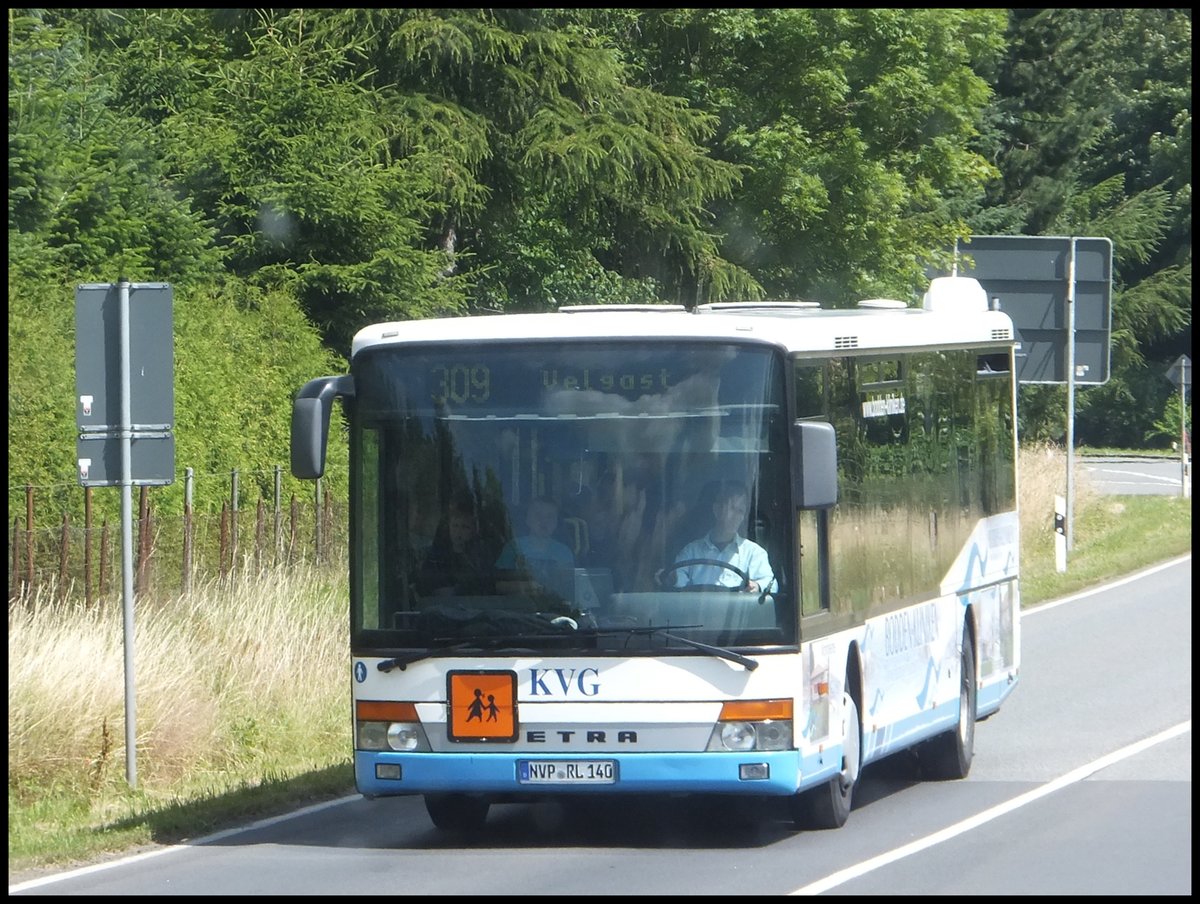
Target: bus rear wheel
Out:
[948,756]
[828,806]
[457,812]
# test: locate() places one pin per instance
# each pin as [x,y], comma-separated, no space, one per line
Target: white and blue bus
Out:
[522,487]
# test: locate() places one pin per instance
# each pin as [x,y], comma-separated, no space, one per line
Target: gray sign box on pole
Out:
[1031,277]
[99,459]
[98,383]
[1180,372]
[98,357]
[125,411]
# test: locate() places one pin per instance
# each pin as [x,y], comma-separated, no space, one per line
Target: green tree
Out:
[89,195]
[854,128]
[296,158]
[565,180]
[1092,133]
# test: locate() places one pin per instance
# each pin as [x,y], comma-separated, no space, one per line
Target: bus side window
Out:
[810,385]
[812,537]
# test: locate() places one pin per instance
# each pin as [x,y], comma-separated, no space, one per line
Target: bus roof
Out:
[951,315]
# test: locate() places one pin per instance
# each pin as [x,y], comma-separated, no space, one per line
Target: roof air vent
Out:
[956,295]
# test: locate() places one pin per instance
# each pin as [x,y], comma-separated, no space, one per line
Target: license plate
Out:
[567,772]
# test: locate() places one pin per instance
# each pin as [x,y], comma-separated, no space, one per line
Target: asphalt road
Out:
[1133,476]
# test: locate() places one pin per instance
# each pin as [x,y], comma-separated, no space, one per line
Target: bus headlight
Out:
[405,736]
[383,725]
[753,725]
[737,735]
[751,736]
[774,735]
[371,735]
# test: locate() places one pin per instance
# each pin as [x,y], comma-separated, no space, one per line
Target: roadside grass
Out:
[242,708]
[1113,536]
[243,702]
[1086,451]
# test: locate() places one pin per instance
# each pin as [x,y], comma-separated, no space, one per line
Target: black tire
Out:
[457,812]
[948,756]
[828,807]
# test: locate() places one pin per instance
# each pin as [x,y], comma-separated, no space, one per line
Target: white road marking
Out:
[1156,478]
[959,828]
[158,852]
[1034,610]
[842,876]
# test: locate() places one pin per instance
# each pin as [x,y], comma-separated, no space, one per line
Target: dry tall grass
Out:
[212,669]
[1042,470]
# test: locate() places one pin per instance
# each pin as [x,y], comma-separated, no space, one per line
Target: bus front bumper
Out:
[757,773]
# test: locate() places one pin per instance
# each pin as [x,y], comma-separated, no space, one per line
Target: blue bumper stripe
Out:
[496,773]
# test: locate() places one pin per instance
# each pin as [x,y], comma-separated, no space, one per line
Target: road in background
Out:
[1129,476]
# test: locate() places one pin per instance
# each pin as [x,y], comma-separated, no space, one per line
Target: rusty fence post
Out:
[188,527]
[295,518]
[28,589]
[233,521]
[278,534]
[64,549]
[258,536]
[224,538]
[15,576]
[104,557]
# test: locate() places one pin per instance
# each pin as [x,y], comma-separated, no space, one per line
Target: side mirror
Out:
[814,464]
[310,423]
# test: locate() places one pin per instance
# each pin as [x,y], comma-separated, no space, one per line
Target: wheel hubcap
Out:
[850,745]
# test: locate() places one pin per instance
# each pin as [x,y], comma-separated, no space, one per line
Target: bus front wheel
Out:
[828,806]
[457,812]
[949,755]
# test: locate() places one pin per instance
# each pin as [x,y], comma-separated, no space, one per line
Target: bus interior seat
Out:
[575,533]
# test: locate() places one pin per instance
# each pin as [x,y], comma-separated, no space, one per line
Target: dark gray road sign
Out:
[1031,277]
[152,459]
[98,383]
[1181,371]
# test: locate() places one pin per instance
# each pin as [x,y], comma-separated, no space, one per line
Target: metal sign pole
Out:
[1185,487]
[127,539]
[124,345]
[1070,396]
[1177,373]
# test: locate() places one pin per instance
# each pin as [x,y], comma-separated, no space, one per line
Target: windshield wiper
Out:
[476,643]
[480,643]
[749,664]
[745,661]
[407,659]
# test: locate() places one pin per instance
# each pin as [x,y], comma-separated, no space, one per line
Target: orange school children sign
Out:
[483,706]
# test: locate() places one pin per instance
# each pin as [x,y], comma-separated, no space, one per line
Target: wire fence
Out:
[171,552]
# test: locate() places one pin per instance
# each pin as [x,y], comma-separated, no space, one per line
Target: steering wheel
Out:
[685,563]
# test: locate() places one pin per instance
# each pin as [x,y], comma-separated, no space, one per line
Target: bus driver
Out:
[724,543]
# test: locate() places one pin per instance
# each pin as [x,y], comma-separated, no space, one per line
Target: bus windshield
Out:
[598,495]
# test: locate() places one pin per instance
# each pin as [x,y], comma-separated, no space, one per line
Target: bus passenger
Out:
[458,561]
[537,556]
[724,543]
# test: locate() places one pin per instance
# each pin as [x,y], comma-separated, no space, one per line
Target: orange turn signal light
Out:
[385,711]
[755,710]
